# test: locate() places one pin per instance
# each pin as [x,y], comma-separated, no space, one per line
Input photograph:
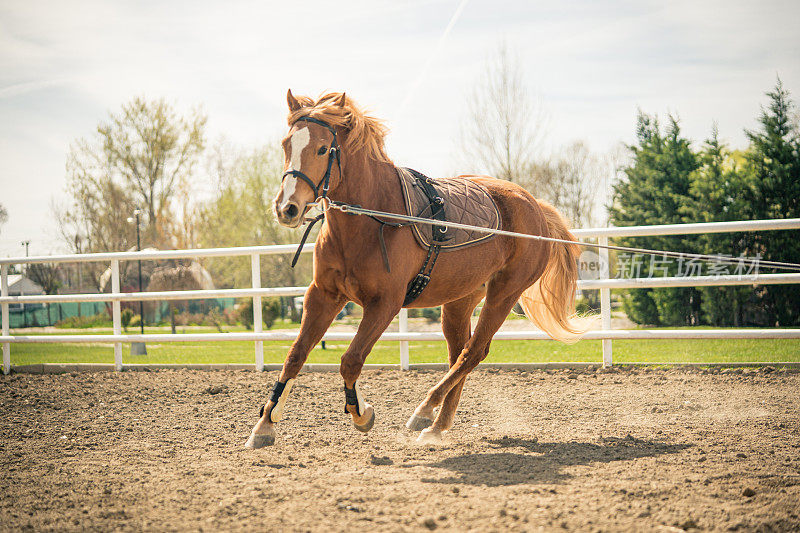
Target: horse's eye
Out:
[322,150]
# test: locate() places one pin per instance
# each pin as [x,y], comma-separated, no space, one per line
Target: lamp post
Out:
[139,348]
[24,309]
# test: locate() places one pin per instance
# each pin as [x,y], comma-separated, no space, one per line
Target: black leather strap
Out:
[309,182]
[421,280]
[305,236]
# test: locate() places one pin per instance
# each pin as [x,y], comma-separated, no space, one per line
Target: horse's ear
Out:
[294,105]
[342,100]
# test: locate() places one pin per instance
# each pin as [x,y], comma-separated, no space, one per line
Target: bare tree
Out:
[48,277]
[571,181]
[3,215]
[505,124]
[150,148]
[138,158]
[180,278]
[241,214]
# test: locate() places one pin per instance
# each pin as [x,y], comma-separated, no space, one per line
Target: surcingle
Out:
[458,200]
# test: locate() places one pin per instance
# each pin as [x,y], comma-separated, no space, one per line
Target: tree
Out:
[3,215]
[718,193]
[504,125]
[241,214]
[136,159]
[655,190]
[48,277]
[179,277]
[570,181]
[773,162]
[502,136]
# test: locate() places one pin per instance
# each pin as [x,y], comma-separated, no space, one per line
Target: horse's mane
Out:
[363,131]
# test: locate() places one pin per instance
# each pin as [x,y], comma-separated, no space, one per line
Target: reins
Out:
[358,210]
[405,220]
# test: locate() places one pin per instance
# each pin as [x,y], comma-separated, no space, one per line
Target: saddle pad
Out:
[465,202]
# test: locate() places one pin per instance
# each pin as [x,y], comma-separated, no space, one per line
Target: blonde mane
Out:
[364,132]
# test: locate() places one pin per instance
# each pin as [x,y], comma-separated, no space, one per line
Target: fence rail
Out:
[606,334]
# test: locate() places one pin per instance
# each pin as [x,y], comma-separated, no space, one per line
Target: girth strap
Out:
[436,207]
[422,279]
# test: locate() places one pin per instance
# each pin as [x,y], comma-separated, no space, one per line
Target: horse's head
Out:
[310,159]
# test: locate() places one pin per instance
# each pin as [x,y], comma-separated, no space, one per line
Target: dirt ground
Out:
[642,449]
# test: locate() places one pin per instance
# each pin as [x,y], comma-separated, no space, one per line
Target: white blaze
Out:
[299,141]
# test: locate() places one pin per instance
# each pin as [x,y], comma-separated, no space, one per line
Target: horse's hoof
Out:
[418,423]
[259,441]
[366,426]
[430,436]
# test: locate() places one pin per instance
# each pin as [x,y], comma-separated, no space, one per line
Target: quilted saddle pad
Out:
[465,202]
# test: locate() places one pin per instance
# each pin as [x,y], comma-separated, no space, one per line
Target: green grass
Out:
[631,351]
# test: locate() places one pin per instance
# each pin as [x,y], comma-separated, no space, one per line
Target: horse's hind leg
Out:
[456,326]
[319,310]
[502,293]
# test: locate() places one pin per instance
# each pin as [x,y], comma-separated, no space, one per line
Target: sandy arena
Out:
[640,449]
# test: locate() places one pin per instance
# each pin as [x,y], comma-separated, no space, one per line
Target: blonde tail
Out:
[550,302]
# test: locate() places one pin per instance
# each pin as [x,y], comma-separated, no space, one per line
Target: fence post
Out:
[6,345]
[404,359]
[116,314]
[605,302]
[255,265]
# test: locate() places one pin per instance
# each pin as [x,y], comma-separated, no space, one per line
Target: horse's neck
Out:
[370,184]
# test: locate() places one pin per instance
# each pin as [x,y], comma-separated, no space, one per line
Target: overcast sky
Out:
[65,65]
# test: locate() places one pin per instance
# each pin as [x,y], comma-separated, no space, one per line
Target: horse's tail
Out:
[550,302]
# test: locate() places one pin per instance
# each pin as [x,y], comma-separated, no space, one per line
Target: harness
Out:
[435,207]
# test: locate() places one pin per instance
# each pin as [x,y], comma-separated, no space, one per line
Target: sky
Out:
[592,65]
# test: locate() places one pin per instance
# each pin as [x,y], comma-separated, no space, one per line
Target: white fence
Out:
[403,335]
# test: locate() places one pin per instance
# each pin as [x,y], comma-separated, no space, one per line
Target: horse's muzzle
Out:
[289,214]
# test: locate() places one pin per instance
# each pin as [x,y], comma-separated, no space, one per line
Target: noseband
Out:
[333,153]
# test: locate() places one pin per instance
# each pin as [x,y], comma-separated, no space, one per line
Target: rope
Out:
[357,210]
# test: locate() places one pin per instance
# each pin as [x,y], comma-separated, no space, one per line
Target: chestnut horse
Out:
[333,148]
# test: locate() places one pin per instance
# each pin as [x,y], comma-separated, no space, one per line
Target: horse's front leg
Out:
[377,317]
[319,309]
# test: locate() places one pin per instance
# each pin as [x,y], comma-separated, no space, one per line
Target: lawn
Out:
[629,351]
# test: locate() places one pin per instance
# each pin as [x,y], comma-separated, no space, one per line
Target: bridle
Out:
[333,154]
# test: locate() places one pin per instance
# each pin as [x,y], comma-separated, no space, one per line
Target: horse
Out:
[334,152]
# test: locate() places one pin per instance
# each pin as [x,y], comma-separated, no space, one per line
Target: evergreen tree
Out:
[773,162]
[719,189]
[655,191]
